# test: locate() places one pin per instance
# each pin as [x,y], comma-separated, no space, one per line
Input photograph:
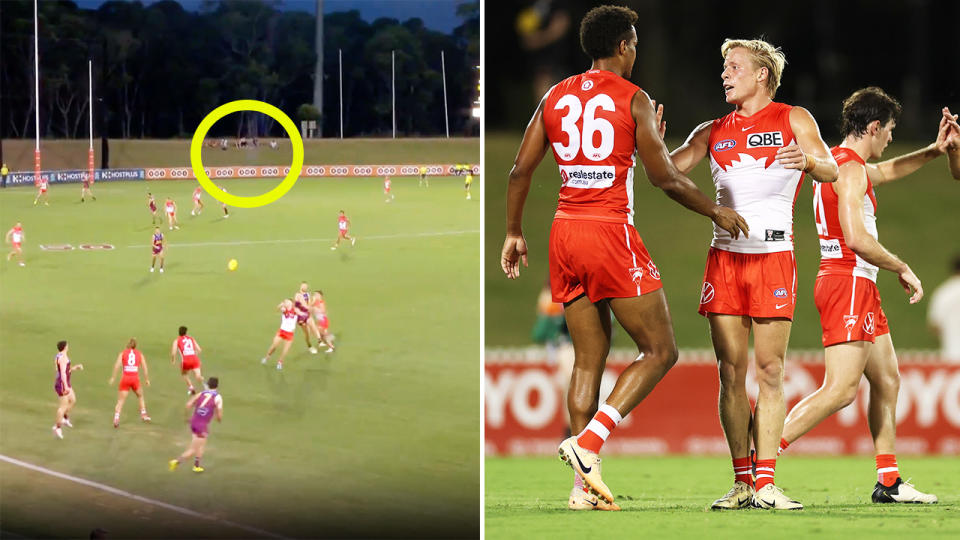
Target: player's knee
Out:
[667,355]
[844,395]
[770,373]
[730,373]
[889,384]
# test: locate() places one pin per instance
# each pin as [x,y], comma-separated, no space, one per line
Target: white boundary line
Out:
[306,240]
[139,498]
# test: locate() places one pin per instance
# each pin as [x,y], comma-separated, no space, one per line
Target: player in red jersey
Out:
[386,189]
[170,208]
[595,122]
[343,231]
[42,192]
[66,397]
[197,201]
[758,155]
[189,351]
[856,335]
[319,308]
[158,246]
[85,189]
[130,359]
[15,238]
[206,406]
[301,303]
[288,324]
[152,205]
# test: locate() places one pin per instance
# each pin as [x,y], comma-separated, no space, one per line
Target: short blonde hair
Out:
[764,55]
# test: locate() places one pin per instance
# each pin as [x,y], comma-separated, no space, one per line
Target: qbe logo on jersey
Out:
[588,176]
[765,139]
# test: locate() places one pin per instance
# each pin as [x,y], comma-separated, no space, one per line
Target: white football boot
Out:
[587,465]
[770,497]
[901,492]
[739,496]
[581,500]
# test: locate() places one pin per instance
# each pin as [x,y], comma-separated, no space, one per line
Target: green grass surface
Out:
[379,439]
[916,219]
[669,497]
[72,154]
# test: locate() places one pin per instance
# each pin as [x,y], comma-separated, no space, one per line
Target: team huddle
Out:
[597,123]
[129,363]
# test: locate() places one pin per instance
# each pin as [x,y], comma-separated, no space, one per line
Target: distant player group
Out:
[597,123]
[206,405]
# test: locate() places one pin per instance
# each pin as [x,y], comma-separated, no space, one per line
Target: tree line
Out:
[159,69]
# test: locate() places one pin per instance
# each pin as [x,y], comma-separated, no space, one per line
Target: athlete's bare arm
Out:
[173,352]
[193,399]
[146,372]
[810,154]
[693,150]
[900,166]
[78,367]
[953,145]
[62,366]
[532,150]
[851,187]
[220,411]
[665,175]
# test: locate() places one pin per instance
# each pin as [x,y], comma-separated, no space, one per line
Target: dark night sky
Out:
[436,14]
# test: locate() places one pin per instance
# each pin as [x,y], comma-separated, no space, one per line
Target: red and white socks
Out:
[597,431]
[765,470]
[783,446]
[887,471]
[743,470]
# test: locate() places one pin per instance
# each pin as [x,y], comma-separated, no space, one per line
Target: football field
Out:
[380,438]
[669,497]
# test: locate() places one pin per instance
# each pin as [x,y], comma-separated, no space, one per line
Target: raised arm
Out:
[948,134]
[532,149]
[693,150]
[851,187]
[663,174]
[810,154]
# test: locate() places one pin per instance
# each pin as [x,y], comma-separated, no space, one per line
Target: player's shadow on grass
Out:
[294,386]
[150,277]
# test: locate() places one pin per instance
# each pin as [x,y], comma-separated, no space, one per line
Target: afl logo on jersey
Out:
[780,293]
[587,85]
[725,144]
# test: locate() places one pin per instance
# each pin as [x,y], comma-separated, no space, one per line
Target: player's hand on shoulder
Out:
[911,284]
[732,222]
[514,251]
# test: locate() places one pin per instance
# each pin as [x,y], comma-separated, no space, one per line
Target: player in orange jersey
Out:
[759,154]
[42,192]
[170,208]
[288,324]
[595,123]
[130,360]
[65,394]
[189,351]
[197,201]
[386,189]
[343,231]
[856,335]
[15,238]
[319,308]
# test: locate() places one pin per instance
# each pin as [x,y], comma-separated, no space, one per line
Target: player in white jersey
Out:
[15,238]
[288,324]
[856,336]
[758,155]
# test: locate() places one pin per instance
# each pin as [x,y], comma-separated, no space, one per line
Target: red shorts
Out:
[16,245]
[599,259]
[343,232]
[849,309]
[323,322]
[285,335]
[188,363]
[43,190]
[752,284]
[132,383]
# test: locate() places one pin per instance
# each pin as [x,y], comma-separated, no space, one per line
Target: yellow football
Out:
[232,265]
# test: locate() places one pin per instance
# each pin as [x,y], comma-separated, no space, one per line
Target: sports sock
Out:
[765,470]
[597,431]
[783,446]
[196,462]
[887,471]
[743,470]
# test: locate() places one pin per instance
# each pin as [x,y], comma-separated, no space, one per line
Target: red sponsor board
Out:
[525,406]
[308,171]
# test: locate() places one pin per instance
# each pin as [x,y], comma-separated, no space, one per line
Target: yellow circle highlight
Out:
[235,200]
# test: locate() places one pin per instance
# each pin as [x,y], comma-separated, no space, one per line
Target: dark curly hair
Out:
[603,28]
[865,106]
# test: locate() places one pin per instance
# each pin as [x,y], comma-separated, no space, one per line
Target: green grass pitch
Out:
[381,438]
[669,497]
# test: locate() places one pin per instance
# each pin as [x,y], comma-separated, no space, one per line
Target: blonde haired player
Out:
[758,155]
[856,336]
[15,238]
[288,324]
[130,360]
